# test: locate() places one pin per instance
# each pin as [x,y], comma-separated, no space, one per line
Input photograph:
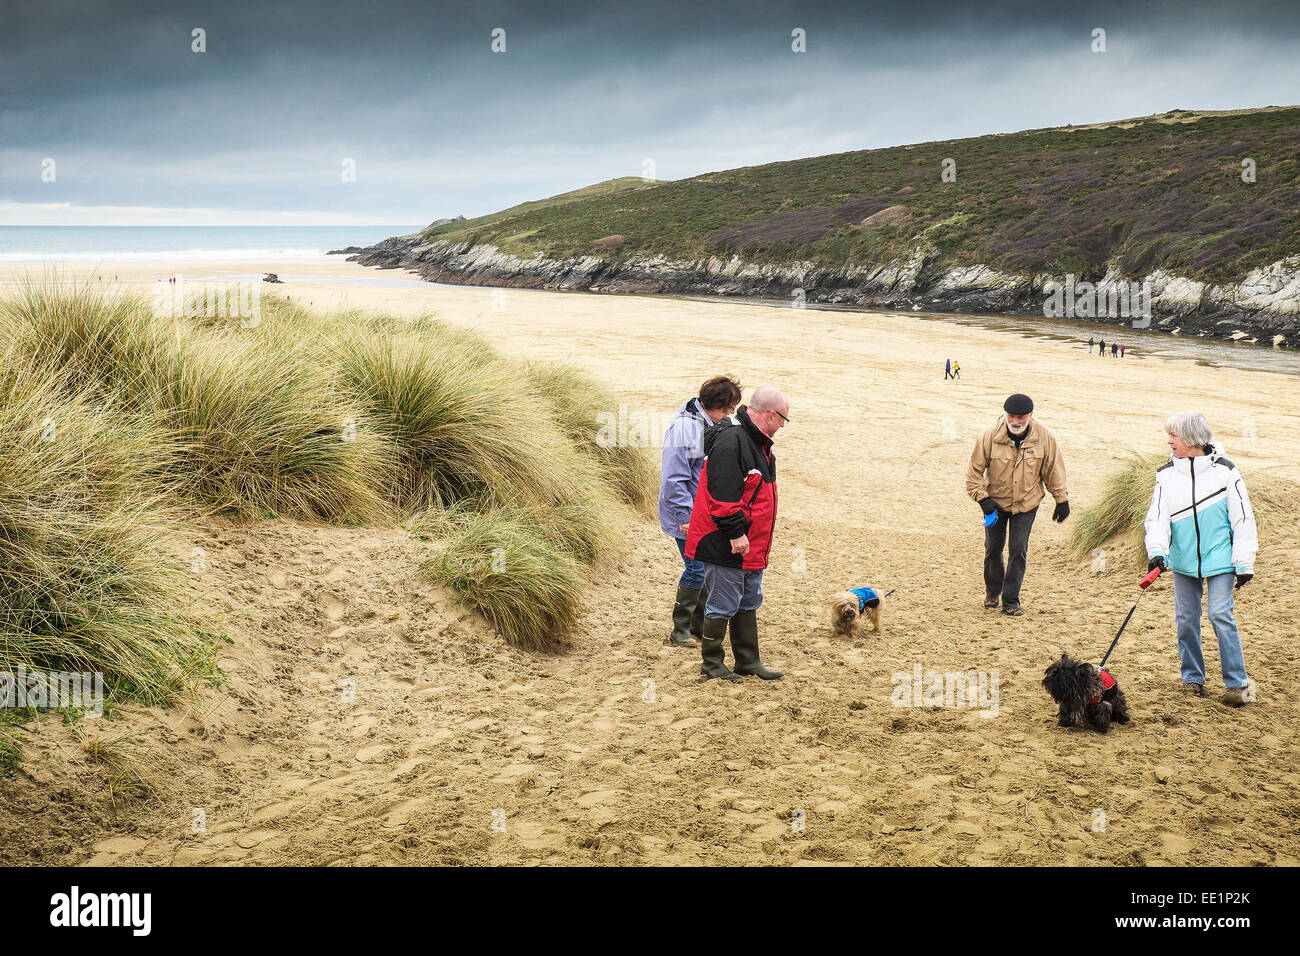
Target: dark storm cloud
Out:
[437,124]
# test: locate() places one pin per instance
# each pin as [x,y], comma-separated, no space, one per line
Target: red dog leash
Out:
[1145,583]
[1107,682]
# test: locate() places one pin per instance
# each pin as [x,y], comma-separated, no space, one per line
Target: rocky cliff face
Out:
[1264,306]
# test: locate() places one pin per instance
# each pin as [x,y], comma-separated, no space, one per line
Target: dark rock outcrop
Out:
[1264,306]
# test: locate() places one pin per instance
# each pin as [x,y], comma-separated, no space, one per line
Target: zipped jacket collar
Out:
[742,416]
[1199,463]
[692,408]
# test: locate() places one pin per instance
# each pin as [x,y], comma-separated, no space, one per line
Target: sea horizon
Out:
[144,243]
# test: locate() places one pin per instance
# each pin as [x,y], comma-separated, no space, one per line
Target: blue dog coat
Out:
[866,598]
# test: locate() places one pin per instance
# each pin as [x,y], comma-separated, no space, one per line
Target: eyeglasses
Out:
[782,417]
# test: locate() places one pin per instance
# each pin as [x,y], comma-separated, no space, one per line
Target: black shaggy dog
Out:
[1083,691]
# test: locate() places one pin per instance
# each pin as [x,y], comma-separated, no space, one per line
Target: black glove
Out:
[1243,579]
[1061,512]
[987,506]
[1157,562]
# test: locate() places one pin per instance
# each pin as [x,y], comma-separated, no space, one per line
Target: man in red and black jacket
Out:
[731,529]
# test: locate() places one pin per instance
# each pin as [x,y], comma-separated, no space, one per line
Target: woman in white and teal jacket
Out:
[1200,526]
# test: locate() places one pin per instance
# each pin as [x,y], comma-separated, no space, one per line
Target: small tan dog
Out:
[849,608]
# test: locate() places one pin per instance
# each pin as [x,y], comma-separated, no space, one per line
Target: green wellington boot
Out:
[688,604]
[697,619]
[744,644]
[715,665]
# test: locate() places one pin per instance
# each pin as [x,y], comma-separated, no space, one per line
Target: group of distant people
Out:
[1116,350]
[952,369]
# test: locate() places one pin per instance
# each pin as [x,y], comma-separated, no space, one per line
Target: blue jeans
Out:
[1187,615]
[693,576]
[732,590]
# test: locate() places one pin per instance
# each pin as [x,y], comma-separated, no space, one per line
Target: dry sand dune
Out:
[459,749]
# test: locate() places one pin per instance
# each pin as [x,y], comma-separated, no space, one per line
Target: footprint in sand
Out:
[407,766]
[250,840]
[514,772]
[115,848]
[371,754]
[332,783]
[334,608]
[401,815]
[1174,844]
[273,810]
[361,725]
[595,798]
[439,736]
[536,836]
[339,573]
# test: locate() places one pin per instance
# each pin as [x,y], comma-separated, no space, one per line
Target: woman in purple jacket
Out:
[679,479]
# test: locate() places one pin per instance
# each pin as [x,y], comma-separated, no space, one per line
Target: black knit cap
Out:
[1018,404]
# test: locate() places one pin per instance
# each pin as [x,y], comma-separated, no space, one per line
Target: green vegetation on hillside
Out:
[539,207]
[1163,191]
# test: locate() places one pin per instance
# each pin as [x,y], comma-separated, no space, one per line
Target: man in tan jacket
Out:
[1013,461]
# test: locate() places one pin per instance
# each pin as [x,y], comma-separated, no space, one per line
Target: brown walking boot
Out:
[1234,697]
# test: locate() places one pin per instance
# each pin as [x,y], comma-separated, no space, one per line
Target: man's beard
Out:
[1017,431]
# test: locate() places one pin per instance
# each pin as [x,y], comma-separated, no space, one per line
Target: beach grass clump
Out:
[11,753]
[100,337]
[258,427]
[265,434]
[134,771]
[585,410]
[88,581]
[527,588]
[1121,509]
[585,531]
[458,430]
[467,344]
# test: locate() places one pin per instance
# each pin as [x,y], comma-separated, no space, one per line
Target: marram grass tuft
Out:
[527,588]
[1121,508]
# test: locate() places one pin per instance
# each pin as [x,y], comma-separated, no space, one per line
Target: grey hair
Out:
[1191,428]
[766,398]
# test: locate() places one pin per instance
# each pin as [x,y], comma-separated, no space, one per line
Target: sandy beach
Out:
[461,749]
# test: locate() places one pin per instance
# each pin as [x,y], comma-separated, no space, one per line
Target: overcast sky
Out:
[257,129]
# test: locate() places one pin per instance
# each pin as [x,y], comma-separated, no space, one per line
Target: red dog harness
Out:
[1107,682]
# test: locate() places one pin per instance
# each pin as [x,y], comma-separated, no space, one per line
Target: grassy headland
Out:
[1161,191]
